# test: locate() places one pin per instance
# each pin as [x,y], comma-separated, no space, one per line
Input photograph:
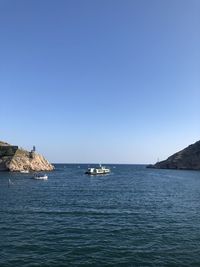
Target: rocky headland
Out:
[15,159]
[186,159]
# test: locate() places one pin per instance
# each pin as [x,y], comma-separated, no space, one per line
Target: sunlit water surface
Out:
[132,217]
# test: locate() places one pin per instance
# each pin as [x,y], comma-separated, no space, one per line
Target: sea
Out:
[133,216]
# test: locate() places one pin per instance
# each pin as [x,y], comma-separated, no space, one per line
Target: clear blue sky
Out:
[100,80]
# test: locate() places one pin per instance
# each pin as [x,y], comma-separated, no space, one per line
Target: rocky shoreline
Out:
[186,159]
[15,159]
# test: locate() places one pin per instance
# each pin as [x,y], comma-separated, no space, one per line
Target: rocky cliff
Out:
[186,159]
[13,158]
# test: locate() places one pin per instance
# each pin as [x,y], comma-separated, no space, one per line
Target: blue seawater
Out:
[131,217]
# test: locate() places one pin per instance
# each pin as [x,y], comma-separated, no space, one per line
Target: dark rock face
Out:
[8,151]
[186,159]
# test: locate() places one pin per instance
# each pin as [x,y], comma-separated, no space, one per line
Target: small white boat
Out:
[100,170]
[24,171]
[40,177]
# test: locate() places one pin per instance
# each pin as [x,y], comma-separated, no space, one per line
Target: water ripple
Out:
[134,217]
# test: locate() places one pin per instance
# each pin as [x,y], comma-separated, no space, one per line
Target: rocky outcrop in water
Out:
[186,159]
[13,158]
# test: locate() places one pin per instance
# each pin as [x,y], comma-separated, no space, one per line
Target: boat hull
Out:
[41,177]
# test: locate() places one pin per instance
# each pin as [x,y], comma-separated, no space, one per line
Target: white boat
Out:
[40,177]
[24,171]
[99,170]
